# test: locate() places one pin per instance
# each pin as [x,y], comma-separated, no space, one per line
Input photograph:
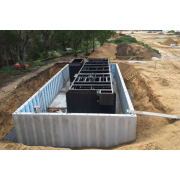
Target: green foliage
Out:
[44,55]
[129,40]
[35,55]
[37,63]
[156,51]
[4,70]
[63,53]
[55,56]
[172,31]
[51,53]
[124,40]
[87,54]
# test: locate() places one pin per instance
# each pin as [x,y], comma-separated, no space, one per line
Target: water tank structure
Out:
[74,67]
[92,90]
[88,111]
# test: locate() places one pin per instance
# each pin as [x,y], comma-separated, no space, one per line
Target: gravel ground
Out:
[11,136]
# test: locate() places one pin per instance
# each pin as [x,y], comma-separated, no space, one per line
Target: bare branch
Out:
[52,39]
[3,47]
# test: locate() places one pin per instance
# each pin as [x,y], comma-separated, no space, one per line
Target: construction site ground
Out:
[156,88]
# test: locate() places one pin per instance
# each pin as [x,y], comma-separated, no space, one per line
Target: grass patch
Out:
[172,31]
[14,70]
[37,63]
[82,48]
[87,54]
[4,70]
[123,40]
[129,40]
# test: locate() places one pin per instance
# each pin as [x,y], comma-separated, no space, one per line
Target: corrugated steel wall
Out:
[47,93]
[73,130]
[123,93]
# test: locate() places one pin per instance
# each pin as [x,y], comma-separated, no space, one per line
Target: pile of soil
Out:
[122,34]
[160,33]
[139,52]
[169,41]
[149,32]
[107,50]
[177,33]
[116,35]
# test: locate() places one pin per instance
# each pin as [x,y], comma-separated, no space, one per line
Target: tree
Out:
[77,37]
[7,38]
[48,39]
[64,38]
[23,39]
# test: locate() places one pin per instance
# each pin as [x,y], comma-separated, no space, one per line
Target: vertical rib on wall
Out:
[74,130]
[47,93]
[123,93]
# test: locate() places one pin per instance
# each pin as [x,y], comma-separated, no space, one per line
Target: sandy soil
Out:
[16,89]
[154,90]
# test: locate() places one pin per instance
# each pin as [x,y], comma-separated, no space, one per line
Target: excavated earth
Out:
[156,88]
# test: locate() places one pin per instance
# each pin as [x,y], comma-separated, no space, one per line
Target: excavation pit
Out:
[61,129]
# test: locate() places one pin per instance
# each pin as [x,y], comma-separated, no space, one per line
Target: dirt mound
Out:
[107,50]
[169,41]
[116,35]
[139,52]
[149,32]
[160,33]
[177,33]
[122,34]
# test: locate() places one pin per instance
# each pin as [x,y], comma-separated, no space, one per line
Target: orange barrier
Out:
[18,65]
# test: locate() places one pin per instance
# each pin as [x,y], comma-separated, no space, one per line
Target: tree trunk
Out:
[7,61]
[1,58]
[64,46]
[78,43]
[87,43]
[75,44]
[10,54]
[93,43]
[47,49]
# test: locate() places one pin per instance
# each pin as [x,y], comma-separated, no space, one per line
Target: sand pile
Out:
[169,41]
[140,52]
[177,33]
[107,50]
[160,33]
